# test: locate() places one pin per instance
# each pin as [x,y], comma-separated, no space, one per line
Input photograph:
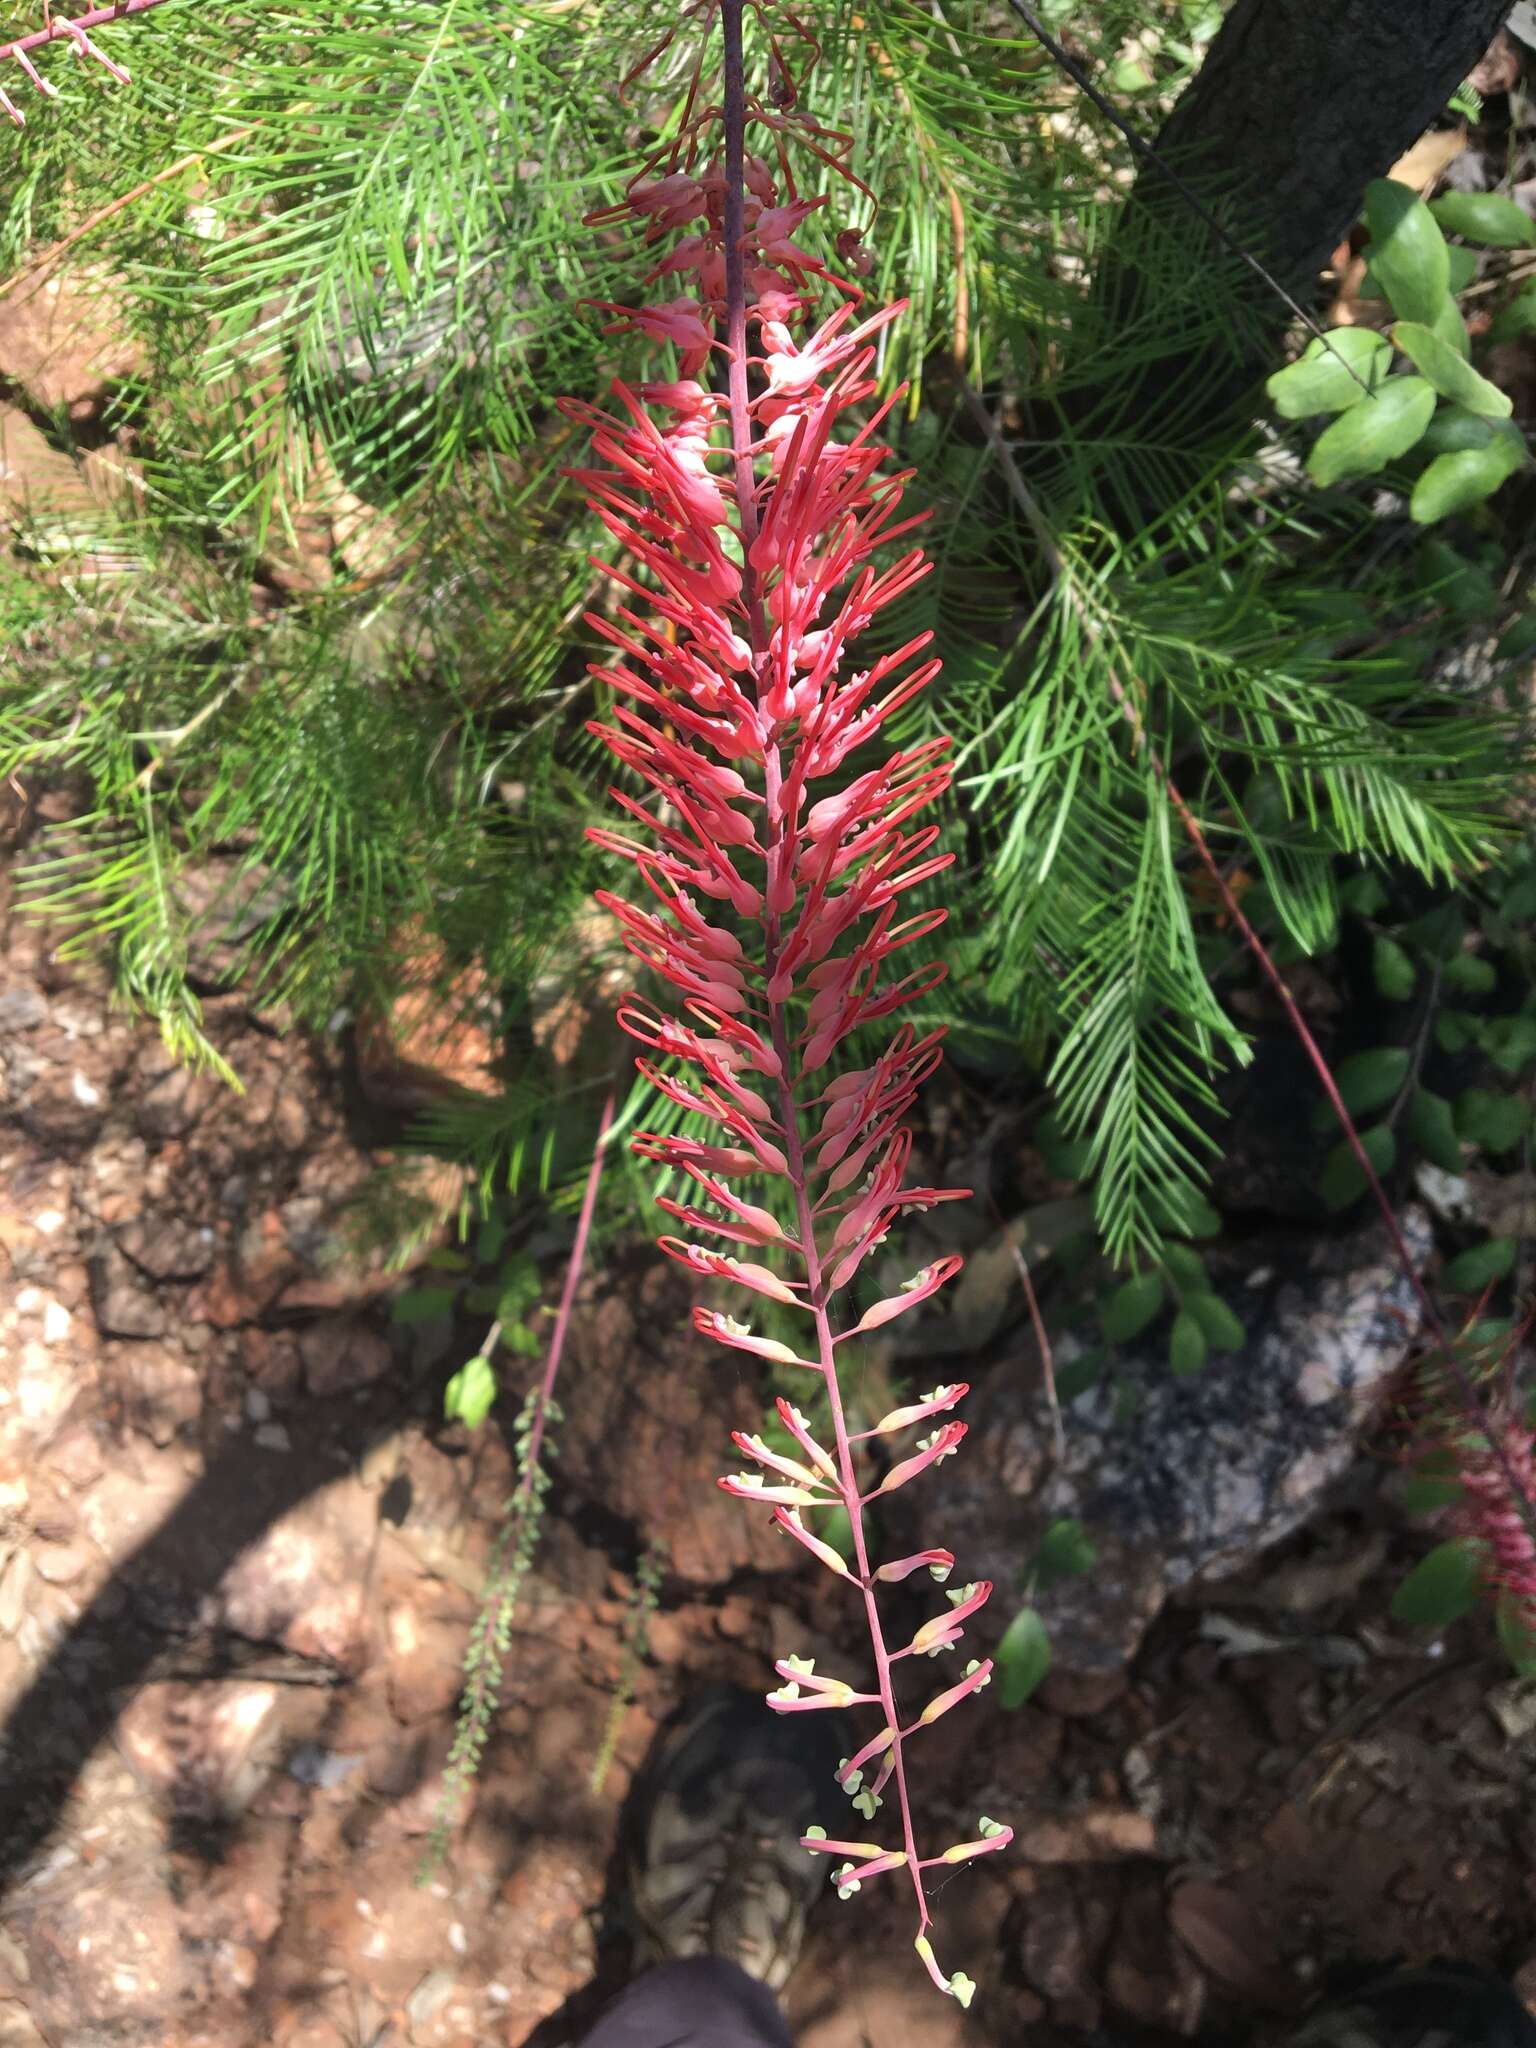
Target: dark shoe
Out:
[714,1856]
[1448,2005]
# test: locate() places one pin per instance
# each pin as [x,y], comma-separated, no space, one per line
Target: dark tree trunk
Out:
[1299,104]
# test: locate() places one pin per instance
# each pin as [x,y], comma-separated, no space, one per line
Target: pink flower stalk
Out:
[60,28]
[1495,1511]
[763,534]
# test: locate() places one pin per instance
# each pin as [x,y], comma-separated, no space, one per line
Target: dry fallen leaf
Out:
[1424,165]
[1222,1932]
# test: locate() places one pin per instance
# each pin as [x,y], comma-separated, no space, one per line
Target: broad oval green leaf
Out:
[1334,372]
[1450,327]
[1479,1267]
[1454,428]
[1370,1079]
[471,1394]
[1463,264]
[1486,218]
[1187,1345]
[1223,1330]
[1131,1307]
[1022,1658]
[1066,1552]
[1408,255]
[1452,483]
[1395,973]
[1510,1042]
[1367,437]
[1431,1126]
[1441,1587]
[1342,1179]
[1452,377]
[1185,1268]
[1470,972]
[1496,1122]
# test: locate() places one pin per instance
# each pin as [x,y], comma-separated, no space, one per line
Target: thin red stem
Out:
[573,1273]
[848,1484]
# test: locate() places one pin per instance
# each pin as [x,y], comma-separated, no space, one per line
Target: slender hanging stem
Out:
[573,1273]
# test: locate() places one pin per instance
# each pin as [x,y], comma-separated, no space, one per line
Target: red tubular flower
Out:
[775,875]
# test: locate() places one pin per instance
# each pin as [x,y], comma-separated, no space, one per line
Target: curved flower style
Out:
[762,534]
[61,28]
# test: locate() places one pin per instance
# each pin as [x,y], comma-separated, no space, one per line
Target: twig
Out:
[573,1273]
[512,1554]
[1047,1361]
[1472,1406]
[171,737]
[92,221]
[1047,1358]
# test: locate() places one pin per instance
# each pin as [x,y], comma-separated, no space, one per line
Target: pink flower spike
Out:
[848,1879]
[800,1676]
[752,1486]
[678,322]
[789,1518]
[709,1322]
[795,1423]
[940,1564]
[787,1468]
[45,86]
[942,1444]
[819,1844]
[946,1629]
[699,1259]
[849,1773]
[993,1836]
[84,47]
[759,531]
[917,1289]
[936,1403]
[976,1676]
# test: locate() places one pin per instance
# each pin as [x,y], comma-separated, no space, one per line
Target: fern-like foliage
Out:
[315,659]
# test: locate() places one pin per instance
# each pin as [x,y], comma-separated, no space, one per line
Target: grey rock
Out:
[124,1304]
[21,1009]
[173,1103]
[166,1248]
[342,1353]
[162,1390]
[1182,1479]
[227,904]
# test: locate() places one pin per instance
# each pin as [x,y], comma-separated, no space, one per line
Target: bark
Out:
[1299,104]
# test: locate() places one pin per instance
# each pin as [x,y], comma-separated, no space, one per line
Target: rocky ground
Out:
[241,1553]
